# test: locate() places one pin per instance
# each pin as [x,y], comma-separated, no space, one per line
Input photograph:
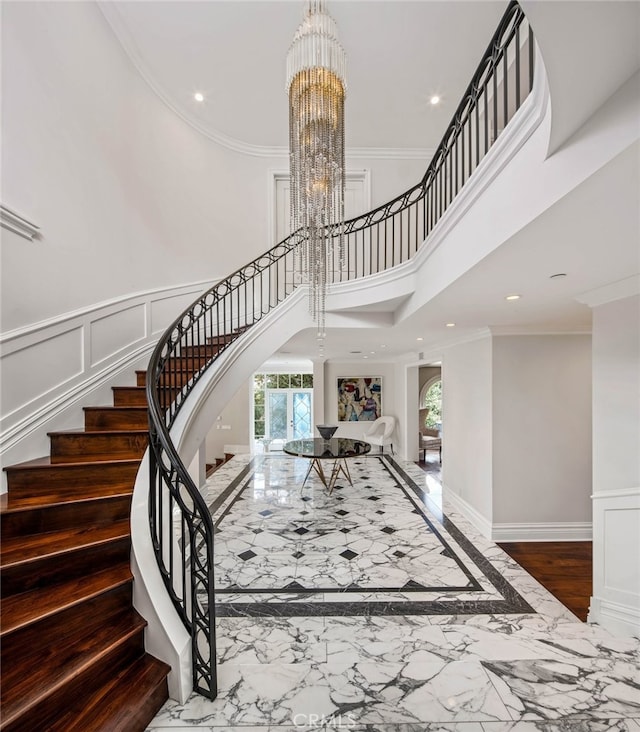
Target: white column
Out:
[406,437]
[318,392]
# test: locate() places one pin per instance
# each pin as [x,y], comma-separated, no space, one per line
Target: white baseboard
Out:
[618,619]
[468,511]
[551,531]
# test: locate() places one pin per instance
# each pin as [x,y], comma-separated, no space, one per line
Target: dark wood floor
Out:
[565,568]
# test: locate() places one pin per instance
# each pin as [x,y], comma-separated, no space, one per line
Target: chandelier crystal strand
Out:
[316,65]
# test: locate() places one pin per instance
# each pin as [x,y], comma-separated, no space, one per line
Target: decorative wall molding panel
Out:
[13,221]
[615,603]
[49,366]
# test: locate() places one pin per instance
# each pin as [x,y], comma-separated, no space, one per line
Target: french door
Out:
[289,414]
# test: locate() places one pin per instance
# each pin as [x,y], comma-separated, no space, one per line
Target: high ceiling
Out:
[399,54]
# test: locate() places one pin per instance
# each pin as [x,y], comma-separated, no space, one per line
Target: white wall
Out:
[616,466]
[616,395]
[542,432]
[517,435]
[467,424]
[235,415]
[128,196]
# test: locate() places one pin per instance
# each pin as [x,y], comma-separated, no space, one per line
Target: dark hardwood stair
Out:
[34,479]
[113,707]
[116,418]
[129,396]
[88,653]
[28,608]
[72,645]
[78,446]
[42,559]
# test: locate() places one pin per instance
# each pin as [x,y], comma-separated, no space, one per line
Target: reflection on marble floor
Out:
[480,646]
[372,548]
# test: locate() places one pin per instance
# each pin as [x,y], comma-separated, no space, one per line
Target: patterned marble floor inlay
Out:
[380,609]
[371,548]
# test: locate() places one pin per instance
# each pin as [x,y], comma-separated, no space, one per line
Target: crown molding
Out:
[619,290]
[13,221]
[537,330]
[124,38]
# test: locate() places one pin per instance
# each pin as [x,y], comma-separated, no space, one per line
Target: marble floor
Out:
[379,608]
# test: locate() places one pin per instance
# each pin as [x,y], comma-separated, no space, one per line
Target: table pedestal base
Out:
[339,466]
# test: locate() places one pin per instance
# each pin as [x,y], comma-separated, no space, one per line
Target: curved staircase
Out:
[72,653]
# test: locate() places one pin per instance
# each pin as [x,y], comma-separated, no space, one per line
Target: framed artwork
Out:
[359,398]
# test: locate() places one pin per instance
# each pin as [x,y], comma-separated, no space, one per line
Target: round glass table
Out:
[337,449]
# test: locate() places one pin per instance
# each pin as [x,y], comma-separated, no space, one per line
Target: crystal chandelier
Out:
[316,84]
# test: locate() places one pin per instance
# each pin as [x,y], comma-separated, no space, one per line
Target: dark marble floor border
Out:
[219,500]
[512,602]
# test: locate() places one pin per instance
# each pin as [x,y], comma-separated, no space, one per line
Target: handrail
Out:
[180,523]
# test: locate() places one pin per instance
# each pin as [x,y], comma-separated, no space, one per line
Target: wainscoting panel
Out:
[114,332]
[616,568]
[52,368]
[30,373]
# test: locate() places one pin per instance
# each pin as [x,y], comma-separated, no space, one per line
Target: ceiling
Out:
[400,54]
[591,235]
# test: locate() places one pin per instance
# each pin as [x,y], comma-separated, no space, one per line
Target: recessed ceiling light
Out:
[435,99]
[384,345]
[512,297]
[560,274]
[419,339]
[365,357]
[450,325]
[199,97]
[372,352]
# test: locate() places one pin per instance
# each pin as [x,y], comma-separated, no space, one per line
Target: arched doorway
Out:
[431,399]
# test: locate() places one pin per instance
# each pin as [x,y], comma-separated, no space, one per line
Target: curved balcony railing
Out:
[180,522]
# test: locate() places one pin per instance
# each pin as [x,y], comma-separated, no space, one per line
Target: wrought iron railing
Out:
[180,522]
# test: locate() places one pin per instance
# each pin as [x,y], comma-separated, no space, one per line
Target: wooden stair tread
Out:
[43,463]
[98,433]
[19,611]
[113,708]
[49,669]
[17,550]
[134,389]
[11,504]
[61,477]
[121,408]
